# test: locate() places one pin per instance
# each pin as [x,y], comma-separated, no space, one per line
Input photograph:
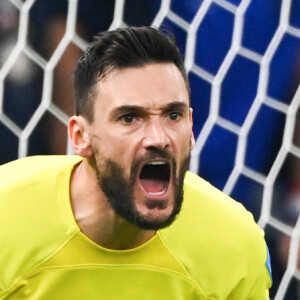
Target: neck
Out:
[96,218]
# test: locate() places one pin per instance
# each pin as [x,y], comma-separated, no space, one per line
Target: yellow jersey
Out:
[213,250]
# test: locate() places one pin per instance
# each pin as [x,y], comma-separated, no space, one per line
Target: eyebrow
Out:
[176,106]
[141,110]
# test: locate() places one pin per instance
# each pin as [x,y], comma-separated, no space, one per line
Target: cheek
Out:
[182,147]
[102,151]
[119,150]
[186,139]
[107,145]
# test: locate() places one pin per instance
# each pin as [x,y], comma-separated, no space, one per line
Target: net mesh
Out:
[237,60]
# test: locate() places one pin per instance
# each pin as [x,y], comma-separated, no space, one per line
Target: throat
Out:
[117,234]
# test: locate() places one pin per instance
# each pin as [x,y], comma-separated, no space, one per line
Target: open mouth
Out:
[155,177]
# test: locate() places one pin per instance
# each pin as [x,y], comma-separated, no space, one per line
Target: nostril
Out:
[156,137]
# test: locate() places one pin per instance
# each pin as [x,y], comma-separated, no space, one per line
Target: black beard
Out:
[120,191]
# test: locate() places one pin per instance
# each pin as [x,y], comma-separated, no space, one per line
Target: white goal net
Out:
[243,63]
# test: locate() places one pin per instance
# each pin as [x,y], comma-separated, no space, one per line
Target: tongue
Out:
[153,185]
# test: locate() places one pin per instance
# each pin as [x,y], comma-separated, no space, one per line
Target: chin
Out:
[156,215]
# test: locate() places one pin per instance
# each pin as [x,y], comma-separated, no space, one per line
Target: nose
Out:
[156,135]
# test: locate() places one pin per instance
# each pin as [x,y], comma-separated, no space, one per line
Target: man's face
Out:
[141,139]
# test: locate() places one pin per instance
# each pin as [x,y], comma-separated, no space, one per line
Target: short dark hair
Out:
[119,49]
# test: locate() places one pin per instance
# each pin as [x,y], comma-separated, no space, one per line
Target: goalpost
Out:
[243,62]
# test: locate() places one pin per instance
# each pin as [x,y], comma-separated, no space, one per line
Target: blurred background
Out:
[243,63]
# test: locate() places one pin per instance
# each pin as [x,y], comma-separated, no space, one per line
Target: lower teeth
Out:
[157,193]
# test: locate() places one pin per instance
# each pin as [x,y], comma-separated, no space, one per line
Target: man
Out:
[123,219]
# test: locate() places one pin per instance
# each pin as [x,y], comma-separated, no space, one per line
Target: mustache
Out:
[154,154]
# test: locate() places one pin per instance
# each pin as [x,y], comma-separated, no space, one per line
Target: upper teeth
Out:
[157,163]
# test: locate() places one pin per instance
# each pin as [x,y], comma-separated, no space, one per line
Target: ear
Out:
[78,133]
[192,142]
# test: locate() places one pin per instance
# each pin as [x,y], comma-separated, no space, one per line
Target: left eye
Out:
[174,115]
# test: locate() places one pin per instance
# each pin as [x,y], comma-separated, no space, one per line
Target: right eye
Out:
[128,119]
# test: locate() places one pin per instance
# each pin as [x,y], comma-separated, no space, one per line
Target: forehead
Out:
[153,86]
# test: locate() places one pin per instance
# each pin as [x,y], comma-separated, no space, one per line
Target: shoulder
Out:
[205,204]
[207,211]
[21,170]
[214,236]
[35,214]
